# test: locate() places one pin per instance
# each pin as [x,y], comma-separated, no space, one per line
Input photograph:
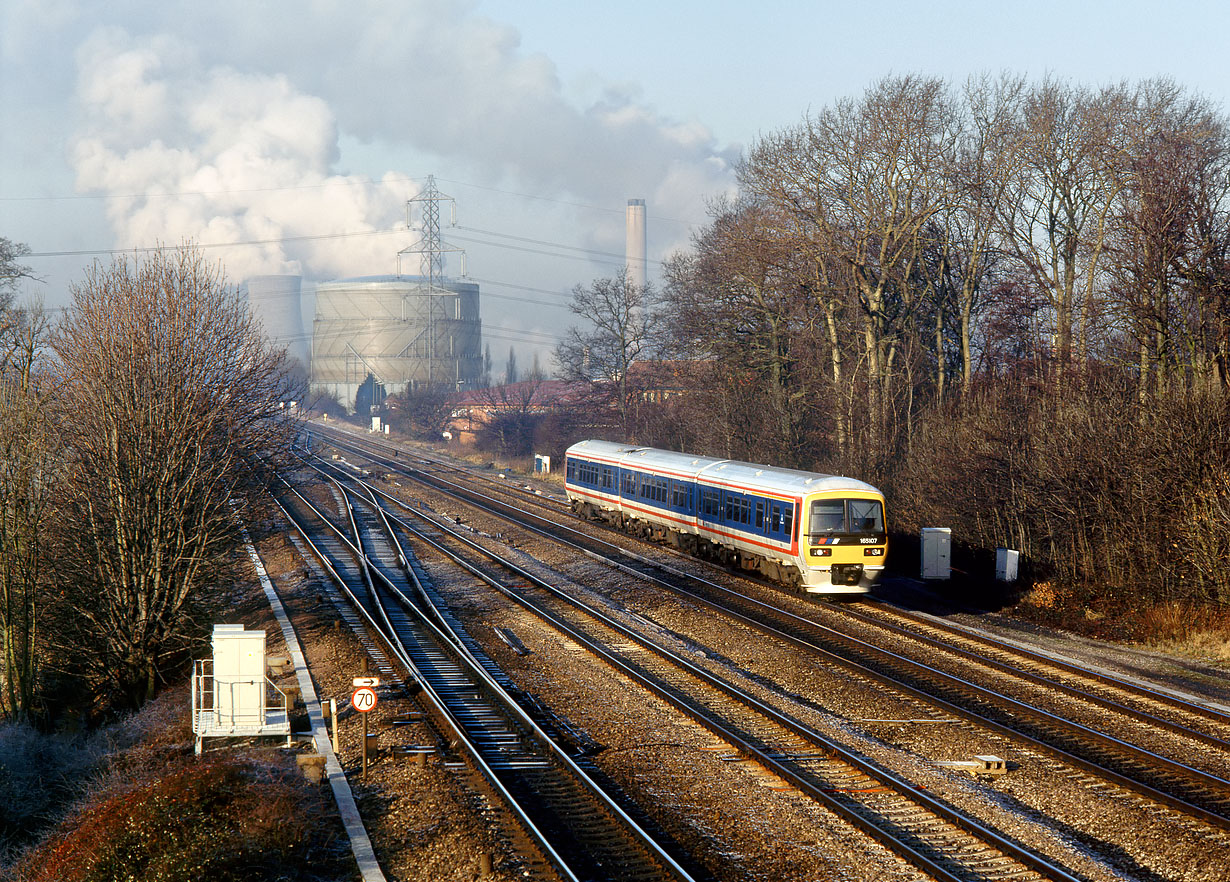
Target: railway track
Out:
[1197,793]
[938,839]
[569,826]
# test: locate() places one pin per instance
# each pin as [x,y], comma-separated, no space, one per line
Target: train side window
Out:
[759,514]
[571,470]
[776,523]
[608,478]
[788,519]
[587,473]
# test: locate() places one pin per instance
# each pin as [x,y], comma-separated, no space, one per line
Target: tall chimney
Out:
[635,248]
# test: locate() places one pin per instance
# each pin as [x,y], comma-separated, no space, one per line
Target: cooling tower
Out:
[275,301]
[634,248]
[399,329]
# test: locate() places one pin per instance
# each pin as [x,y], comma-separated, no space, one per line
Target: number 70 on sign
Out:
[363,699]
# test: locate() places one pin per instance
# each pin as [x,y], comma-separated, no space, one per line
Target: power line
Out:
[363,182]
[148,249]
[583,253]
[619,258]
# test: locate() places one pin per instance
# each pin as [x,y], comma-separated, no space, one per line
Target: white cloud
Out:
[216,155]
[222,122]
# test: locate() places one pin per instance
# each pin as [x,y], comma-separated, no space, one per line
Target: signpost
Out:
[363,700]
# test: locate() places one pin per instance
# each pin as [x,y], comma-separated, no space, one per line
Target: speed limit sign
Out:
[364,699]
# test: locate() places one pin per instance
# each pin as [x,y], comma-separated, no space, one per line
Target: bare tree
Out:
[866,180]
[27,482]
[11,270]
[1169,220]
[743,303]
[426,410]
[620,318]
[513,413]
[173,424]
[1062,186]
[966,242]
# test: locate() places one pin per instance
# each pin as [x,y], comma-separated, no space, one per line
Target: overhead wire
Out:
[364,181]
[523,245]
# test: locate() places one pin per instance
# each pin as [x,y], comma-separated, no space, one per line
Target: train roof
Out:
[719,471]
[747,474]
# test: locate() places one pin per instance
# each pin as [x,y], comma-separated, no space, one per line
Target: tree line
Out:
[1006,303]
[136,433]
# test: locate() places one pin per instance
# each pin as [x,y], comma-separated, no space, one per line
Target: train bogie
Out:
[819,533]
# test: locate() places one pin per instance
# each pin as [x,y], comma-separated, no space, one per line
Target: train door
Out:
[781,521]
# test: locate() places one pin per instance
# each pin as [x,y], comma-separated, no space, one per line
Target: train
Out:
[813,533]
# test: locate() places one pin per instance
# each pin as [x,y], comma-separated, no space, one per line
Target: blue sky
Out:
[288,136]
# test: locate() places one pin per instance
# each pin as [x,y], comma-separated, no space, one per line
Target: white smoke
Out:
[214,155]
[223,123]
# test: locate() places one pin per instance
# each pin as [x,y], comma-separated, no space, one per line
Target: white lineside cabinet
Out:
[936,552]
[1007,561]
[239,677]
[231,696]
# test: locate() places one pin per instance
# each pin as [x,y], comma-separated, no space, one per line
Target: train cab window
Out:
[846,516]
[866,516]
[827,516]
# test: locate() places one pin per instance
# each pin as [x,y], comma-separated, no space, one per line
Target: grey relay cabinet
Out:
[936,552]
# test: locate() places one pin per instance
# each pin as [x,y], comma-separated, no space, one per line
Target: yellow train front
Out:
[845,543]
[823,534]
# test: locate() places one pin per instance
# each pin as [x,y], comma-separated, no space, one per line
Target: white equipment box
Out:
[936,552]
[1007,561]
[231,695]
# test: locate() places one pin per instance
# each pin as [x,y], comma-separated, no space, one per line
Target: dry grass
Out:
[42,774]
[1187,629]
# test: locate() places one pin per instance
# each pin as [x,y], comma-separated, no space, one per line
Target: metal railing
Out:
[225,706]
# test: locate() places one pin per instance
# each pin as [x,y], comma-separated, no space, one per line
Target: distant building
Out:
[659,380]
[400,330]
[276,303]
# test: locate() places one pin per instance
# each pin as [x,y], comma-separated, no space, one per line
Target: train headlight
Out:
[873,552]
[821,552]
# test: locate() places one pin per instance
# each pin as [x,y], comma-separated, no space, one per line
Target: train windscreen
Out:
[829,517]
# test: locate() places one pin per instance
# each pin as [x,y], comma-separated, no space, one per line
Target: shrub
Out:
[38,773]
[226,817]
